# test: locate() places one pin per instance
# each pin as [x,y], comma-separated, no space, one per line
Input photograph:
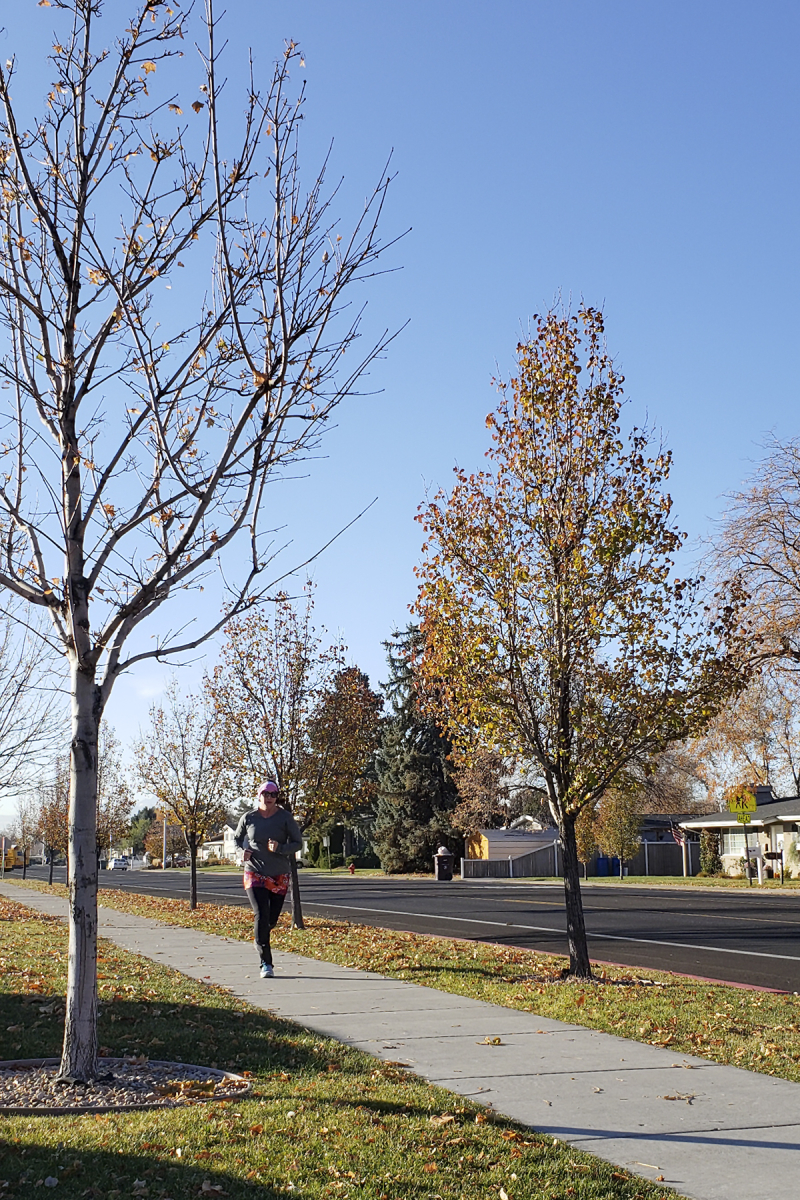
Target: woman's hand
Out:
[272,846]
[248,854]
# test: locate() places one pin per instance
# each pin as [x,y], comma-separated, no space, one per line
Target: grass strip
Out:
[699,882]
[759,1031]
[323,1120]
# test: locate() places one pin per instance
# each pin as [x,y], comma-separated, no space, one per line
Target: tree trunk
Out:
[79,1055]
[294,877]
[24,864]
[50,876]
[297,907]
[192,840]
[579,965]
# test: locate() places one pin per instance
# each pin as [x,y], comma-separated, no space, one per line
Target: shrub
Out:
[710,861]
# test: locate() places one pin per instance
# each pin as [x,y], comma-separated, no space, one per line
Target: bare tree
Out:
[52,824]
[181,761]
[756,737]
[25,824]
[274,672]
[758,549]
[30,698]
[140,428]
[114,799]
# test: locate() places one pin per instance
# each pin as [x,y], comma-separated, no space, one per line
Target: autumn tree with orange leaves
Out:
[343,734]
[556,630]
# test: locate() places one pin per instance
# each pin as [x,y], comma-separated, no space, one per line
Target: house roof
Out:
[786,811]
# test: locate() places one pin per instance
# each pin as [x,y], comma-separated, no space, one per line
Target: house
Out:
[492,844]
[773,827]
[221,845]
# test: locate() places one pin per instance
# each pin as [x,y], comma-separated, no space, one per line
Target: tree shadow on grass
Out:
[224,1036]
[90,1174]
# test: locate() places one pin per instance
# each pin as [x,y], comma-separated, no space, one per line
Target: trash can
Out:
[443,865]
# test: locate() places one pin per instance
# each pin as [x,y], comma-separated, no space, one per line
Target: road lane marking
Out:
[666,912]
[614,937]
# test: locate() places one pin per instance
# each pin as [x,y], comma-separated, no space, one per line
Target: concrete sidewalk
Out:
[712,1132]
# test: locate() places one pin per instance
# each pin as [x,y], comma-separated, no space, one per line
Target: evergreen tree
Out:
[140,825]
[416,789]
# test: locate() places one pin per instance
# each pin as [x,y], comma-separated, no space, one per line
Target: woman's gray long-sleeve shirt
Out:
[258,831]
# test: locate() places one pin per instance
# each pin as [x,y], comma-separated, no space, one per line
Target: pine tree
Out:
[416,789]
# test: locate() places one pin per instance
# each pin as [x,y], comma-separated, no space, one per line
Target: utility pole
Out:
[164,847]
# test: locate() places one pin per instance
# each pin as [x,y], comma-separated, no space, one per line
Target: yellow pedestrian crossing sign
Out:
[742,801]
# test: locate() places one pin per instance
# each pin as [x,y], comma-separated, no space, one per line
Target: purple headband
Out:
[269,786]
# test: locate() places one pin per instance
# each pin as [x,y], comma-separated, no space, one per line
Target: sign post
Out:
[743,803]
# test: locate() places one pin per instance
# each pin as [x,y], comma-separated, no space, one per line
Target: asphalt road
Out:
[748,937]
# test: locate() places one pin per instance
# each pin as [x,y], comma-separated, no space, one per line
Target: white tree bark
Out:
[138,437]
[79,1056]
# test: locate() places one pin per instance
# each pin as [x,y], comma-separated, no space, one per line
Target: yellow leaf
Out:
[148,67]
[198,104]
[175,108]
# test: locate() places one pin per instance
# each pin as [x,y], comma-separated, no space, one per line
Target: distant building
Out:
[493,844]
[222,845]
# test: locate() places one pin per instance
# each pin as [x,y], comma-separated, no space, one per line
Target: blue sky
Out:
[642,156]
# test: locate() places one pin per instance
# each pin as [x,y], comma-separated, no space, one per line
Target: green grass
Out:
[323,1120]
[695,881]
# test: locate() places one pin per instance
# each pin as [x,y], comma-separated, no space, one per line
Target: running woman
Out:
[272,834]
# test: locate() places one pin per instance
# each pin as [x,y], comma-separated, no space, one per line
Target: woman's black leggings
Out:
[266,906]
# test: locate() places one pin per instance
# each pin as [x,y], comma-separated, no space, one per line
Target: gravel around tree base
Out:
[31,1086]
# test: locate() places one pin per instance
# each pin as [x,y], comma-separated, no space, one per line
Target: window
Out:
[732,841]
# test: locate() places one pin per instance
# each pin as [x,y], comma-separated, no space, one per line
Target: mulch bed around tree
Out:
[29,1086]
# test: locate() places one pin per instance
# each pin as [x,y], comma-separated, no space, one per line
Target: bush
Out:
[368,861]
[710,861]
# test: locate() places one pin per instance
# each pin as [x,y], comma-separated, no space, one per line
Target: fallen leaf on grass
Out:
[444,1119]
[619,1175]
[503,1194]
[430,1168]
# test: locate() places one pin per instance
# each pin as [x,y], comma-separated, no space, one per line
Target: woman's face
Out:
[268,801]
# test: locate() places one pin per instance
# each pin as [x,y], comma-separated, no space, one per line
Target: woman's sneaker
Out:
[267,971]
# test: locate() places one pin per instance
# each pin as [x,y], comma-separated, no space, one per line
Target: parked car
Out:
[118,864]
